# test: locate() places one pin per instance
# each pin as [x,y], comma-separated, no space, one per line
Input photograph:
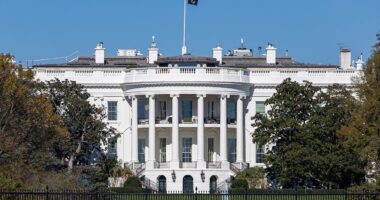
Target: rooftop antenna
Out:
[242,42]
[286,53]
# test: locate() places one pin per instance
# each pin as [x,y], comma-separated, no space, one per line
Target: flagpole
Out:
[184,49]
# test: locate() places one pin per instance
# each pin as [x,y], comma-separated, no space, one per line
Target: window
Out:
[141,110]
[187,110]
[210,145]
[112,146]
[112,110]
[213,184]
[231,112]
[211,110]
[260,153]
[162,150]
[162,184]
[141,150]
[231,146]
[260,107]
[162,110]
[186,149]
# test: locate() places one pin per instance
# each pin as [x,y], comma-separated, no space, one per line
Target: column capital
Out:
[241,97]
[150,96]
[132,97]
[201,95]
[174,95]
[225,96]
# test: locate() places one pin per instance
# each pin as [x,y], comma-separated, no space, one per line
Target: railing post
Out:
[47,192]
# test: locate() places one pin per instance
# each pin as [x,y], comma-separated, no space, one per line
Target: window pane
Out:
[231,146]
[163,150]
[231,112]
[112,110]
[187,110]
[112,146]
[260,107]
[260,153]
[141,110]
[186,149]
[141,150]
[210,149]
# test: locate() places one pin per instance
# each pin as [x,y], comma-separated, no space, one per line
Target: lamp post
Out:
[173,176]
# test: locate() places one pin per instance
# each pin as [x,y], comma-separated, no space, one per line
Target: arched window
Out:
[162,184]
[213,184]
[187,186]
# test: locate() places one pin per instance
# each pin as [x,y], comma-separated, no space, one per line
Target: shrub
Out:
[132,182]
[239,184]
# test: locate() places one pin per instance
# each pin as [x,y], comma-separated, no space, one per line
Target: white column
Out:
[174,164]
[223,129]
[201,164]
[152,132]
[239,130]
[134,129]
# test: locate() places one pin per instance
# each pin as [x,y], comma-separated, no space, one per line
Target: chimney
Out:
[271,54]
[359,63]
[345,58]
[153,52]
[217,53]
[99,53]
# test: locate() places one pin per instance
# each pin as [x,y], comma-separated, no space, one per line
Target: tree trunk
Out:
[74,155]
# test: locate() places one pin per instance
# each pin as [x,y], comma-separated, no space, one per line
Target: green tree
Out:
[254,176]
[362,133]
[84,122]
[302,124]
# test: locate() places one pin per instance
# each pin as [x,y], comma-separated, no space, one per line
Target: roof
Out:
[188,60]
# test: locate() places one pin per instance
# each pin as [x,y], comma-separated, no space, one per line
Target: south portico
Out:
[181,129]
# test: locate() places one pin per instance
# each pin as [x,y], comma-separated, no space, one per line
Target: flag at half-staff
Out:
[192,2]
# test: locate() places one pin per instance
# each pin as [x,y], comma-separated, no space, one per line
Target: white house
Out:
[184,121]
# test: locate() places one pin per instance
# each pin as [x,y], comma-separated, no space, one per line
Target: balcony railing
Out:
[214,165]
[187,74]
[188,165]
[161,165]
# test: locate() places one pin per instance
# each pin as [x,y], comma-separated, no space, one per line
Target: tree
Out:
[28,125]
[254,176]
[362,132]
[84,122]
[302,124]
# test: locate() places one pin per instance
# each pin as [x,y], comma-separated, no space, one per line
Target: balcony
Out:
[187,74]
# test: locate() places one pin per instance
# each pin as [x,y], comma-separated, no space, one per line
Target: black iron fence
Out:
[246,195]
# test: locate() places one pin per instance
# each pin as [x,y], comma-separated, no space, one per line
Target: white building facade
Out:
[185,121]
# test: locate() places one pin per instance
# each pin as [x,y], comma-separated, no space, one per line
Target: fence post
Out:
[346,194]
[246,194]
[196,193]
[47,192]
[146,193]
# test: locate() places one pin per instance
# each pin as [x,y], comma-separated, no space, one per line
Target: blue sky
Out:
[311,30]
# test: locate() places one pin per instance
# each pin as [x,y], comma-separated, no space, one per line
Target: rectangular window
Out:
[162,150]
[141,110]
[231,146]
[210,145]
[141,150]
[186,149]
[112,110]
[112,146]
[187,110]
[260,107]
[260,153]
[231,112]
[162,110]
[211,110]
